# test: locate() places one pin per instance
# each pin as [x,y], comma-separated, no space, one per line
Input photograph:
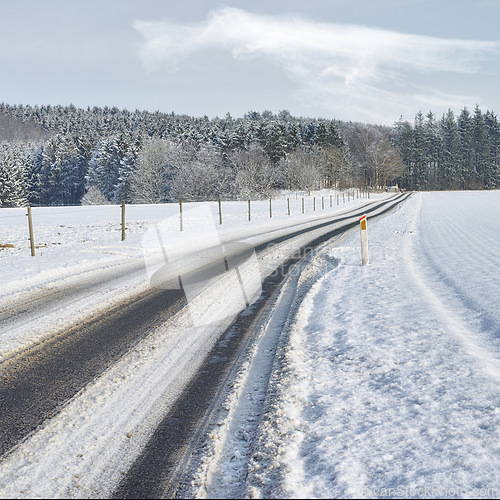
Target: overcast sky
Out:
[359,60]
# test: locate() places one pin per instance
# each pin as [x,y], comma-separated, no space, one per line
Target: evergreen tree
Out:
[14,176]
[432,142]
[492,177]
[62,172]
[402,138]
[104,168]
[466,166]
[480,152]
[420,154]
[128,166]
[450,140]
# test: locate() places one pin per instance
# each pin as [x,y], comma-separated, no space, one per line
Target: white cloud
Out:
[340,65]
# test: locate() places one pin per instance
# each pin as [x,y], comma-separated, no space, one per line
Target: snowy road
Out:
[93,437]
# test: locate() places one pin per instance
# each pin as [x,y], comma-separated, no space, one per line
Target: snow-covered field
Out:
[387,382]
[389,385]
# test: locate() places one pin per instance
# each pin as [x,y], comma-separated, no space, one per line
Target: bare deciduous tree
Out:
[203,175]
[385,163]
[302,167]
[256,176]
[157,165]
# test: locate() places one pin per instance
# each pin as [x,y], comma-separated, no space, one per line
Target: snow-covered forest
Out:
[63,155]
[455,152]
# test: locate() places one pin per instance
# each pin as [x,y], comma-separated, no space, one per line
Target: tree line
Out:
[63,155]
[454,152]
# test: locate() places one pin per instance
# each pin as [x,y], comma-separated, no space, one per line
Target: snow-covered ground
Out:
[81,247]
[389,386]
[82,267]
[386,382]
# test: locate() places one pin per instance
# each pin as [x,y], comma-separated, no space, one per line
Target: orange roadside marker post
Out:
[364,240]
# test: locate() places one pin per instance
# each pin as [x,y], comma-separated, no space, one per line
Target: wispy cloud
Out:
[337,64]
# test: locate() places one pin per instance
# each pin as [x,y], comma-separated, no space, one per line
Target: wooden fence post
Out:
[123,220]
[30,227]
[180,211]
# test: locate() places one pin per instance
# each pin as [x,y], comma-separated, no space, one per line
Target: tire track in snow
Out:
[34,386]
[463,287]
[451,319]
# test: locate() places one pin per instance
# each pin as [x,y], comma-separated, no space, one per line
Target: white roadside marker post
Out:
[364,240]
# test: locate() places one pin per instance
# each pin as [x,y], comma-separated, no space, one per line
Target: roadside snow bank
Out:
[389,384]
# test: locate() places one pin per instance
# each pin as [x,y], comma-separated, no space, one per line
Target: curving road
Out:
[39,381]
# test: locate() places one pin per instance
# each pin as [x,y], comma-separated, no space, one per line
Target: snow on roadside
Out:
[389,384]
[77,240]
[78,245]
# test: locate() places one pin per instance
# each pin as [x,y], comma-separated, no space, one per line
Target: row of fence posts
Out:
[358,194]
[354,194]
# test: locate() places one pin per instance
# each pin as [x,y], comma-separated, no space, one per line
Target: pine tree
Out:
[128,166]
[450,141]
[62,172]
[420,153]
[104,168]
[402,138]
[432,142]
[492,177]
[480,152]
[466,166]
[14,180]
